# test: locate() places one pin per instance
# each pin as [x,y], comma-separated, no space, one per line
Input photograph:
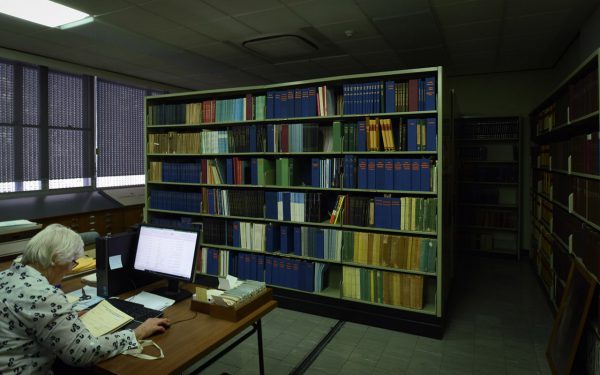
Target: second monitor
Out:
[169,253]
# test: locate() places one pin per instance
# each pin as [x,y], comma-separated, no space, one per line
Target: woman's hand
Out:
[150,327]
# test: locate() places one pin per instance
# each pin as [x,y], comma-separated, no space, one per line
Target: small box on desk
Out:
[236,312]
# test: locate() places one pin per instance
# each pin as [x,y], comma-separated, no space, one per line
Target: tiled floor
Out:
[499,323]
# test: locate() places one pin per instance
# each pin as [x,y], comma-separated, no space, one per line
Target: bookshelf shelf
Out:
[489,151]
[316,173]
[566,183]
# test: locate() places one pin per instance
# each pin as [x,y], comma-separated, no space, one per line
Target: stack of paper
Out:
[104,318]
[151,301]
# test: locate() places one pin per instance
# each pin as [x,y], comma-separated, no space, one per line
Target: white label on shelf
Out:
[570,244]
[568,115]
[569,164]
[571,203]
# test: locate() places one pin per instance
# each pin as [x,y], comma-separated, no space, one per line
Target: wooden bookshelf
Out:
[263,169]
[489,159]
[566,187]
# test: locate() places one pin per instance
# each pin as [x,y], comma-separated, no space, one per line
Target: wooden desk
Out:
[185,342]
[188,341]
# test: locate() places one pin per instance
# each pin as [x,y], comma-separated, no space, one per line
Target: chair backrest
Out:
[89,238]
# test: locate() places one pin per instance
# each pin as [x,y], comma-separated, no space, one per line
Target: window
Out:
[120,133]
[47,130]
[70,131]
[20,168]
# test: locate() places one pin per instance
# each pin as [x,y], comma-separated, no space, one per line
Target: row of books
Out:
[286,239]
[472,153]
[290,206]
[354,98]
[372,134]
[289,273]
[489,218]
[180,171]
[298,102]
[296,274]
[484,195]
[579,99]
[348,172]
[187,201]
[489,129]
[208,111]
[406,213]
[401,252]
[580,153]
[174,142]
[394,174]
[489,172]
[248,203]
[383,287]
[586,199]
[373,97]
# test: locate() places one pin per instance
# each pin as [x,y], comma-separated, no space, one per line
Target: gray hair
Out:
[55,244]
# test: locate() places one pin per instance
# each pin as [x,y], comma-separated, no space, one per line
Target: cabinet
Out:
[104,222]
[329,190]
[489,193]
[566,183]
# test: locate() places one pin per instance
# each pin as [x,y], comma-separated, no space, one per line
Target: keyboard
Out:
[137,311]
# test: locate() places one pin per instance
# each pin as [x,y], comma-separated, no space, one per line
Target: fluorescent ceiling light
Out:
[44,12]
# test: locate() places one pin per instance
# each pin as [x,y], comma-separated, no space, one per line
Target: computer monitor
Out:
[169,253]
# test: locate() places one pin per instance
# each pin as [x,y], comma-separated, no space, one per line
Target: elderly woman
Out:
[38,324]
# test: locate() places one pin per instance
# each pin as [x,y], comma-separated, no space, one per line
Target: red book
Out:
[413,95]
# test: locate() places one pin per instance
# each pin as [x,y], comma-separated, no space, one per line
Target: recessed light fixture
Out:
[281,46]
[44,12]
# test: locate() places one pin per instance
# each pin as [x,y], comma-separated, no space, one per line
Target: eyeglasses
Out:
[74,263]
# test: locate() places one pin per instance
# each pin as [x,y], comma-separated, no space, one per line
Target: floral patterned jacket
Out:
[37,324]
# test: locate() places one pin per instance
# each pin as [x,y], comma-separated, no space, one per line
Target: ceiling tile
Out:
[468,46]
[222,29]
[380,60]
[539,23]
[516,8]
[410,31]
[304,69]
[361,28]
[185,12]
[319,12]
[364,45]
[145,21]
[468,11]
[182,37]
[340,64]
[274,20]
[269,73]
[382,9]
[473,62]
[238,7]
[228,54]
[475,30]
[424,57]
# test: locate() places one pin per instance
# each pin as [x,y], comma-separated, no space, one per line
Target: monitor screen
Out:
[166,251]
